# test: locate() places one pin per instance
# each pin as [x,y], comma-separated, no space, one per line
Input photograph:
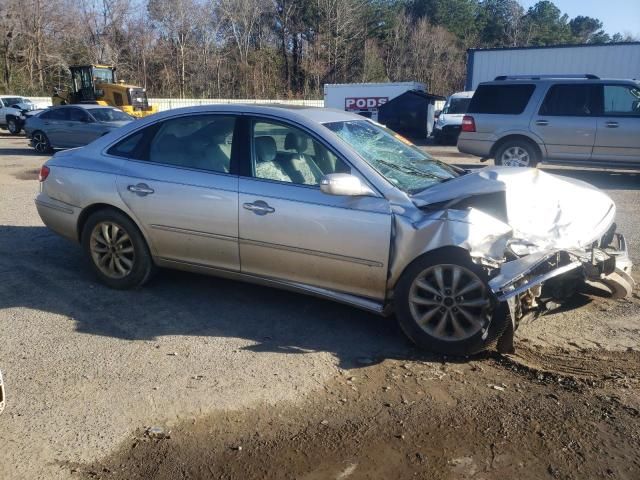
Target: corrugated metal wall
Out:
[606,61]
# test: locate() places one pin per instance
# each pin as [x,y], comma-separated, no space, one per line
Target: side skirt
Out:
[363,303]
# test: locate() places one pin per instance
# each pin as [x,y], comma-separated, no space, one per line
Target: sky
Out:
[616,15]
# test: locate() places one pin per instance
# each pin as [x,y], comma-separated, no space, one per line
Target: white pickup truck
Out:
[14,111]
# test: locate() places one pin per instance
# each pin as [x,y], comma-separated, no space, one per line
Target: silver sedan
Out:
[334,205]
[71,126]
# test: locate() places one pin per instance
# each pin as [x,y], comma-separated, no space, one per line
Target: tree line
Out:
[269,48]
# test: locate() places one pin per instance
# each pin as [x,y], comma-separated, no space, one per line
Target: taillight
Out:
[44,173]
[468,124]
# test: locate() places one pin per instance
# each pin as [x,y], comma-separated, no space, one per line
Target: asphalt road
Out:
[84,365]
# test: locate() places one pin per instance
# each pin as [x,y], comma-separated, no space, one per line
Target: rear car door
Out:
[290,230]
[53,122]
[180,183]
[566,121]
[618,135]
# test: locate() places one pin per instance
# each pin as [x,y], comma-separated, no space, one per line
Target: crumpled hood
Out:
[26,106]
[547,210]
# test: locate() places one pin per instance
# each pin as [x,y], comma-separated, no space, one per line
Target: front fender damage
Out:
[517,280]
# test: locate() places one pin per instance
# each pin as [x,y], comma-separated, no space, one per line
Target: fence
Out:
[169,103]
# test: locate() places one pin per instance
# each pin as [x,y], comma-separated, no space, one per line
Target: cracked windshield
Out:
[397,159]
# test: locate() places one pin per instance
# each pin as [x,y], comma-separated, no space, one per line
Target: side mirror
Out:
[437,113]
[344,184]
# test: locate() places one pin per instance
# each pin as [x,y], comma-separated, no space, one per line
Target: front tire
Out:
[13,126]
[117,250]
[444,304]
[517,153]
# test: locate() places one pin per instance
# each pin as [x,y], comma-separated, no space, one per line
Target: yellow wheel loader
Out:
[98,84]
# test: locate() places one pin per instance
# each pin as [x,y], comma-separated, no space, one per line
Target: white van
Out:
[447,126]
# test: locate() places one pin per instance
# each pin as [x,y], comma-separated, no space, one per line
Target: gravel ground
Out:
[86,367]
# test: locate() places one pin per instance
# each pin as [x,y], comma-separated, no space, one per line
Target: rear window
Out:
[501,99]
[55,114]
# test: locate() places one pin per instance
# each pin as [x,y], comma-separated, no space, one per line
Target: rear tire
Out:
[517,153]
[41,142]
[116,249]
[443,304]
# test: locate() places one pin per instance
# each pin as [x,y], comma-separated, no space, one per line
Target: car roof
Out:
[12,96]
[291,112]
[86,106]
[560,79]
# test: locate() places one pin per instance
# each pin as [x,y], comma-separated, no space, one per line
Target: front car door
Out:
[181,186]
[80,129]
[618,135]
[566,121]
[291,231]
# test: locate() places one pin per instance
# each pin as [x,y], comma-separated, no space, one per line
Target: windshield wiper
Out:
[413,171]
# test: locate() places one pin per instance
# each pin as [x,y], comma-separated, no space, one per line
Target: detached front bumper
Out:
[609,265]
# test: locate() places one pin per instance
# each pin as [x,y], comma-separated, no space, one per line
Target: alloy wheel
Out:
[40,143]
[449,302]
[112,249]
[515,157]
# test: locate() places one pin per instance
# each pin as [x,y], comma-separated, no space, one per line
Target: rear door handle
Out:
[259,207]
[141,189]
[612,124]
[542,123]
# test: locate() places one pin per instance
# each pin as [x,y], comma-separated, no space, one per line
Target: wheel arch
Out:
[517,137]
[98,206]
[441,250]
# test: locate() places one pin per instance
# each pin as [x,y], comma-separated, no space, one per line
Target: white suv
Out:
[447,126]
[569,120]
[13,112]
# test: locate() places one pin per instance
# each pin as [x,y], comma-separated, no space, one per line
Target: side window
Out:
[571,100]
[622,100]
[127,147]
[59,114]
[195,141]
[117,98]
[501,99]
[287,154]
[78,115]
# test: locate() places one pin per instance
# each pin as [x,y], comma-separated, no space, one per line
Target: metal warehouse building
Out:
[612,60]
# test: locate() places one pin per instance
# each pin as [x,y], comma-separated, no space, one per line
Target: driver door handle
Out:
[259,207]
[612,124]
[141,189]
[542,123]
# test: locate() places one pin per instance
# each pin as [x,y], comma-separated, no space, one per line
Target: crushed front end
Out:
[538,236]
[529,284]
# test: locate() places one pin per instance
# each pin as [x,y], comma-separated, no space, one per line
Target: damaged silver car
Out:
[331,204]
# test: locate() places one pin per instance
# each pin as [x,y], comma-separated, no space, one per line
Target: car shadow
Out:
[18,150]
[44,272]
